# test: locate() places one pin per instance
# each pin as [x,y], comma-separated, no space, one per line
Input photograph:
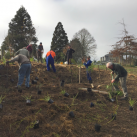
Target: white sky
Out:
[99,17]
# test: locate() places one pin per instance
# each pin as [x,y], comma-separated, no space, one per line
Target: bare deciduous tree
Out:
[88,45]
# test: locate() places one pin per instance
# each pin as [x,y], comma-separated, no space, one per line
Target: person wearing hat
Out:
[69,54]
[87,65]
[40,51]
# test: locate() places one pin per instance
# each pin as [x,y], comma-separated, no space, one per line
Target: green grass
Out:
[130,70]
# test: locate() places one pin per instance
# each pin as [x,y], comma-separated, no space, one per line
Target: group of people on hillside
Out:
[22,57]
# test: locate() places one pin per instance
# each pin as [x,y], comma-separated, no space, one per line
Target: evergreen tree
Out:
[59,41]
[21,30]
[76,45]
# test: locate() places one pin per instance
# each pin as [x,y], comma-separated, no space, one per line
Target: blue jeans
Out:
[50,60]
[24,70]
[88,75]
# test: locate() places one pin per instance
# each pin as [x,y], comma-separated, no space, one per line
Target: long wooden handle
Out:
[97,91]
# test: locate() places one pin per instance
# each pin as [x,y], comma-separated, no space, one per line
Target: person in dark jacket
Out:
[40,51]
[24,70]
[121,74]
[29,48]
[88,71]
[69,54]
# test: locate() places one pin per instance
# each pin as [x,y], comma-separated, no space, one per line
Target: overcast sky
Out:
[99,17]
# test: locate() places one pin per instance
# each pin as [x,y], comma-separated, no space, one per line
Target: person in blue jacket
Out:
[88,72]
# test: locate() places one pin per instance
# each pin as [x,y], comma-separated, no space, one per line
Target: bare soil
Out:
[54,120]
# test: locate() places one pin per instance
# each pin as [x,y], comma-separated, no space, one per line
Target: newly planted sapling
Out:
[72,104]
[114,114]
[110,89]
[1,99]
[132,103]
[47,99]
[28,99]
[64,93]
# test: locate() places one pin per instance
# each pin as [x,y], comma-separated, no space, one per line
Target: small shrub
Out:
[132,102]
[1,98]
[63,92]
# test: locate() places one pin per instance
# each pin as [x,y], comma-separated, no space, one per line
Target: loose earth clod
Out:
[39,92]
[20,90]
[12,80]
[34,81]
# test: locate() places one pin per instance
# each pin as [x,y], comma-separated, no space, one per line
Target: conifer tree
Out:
[59,41]
[21,30]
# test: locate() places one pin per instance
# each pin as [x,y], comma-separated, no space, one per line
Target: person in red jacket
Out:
[29,48]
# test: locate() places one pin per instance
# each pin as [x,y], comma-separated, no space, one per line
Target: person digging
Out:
[69,54]
[121,74]
[50,56]
[87,65]
[40,51]
[24,70]
[23,51]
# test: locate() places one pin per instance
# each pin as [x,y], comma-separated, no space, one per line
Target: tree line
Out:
[22,32]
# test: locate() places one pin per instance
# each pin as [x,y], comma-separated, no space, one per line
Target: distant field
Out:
[131,70]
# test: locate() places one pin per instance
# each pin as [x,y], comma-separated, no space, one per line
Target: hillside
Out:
[54,120]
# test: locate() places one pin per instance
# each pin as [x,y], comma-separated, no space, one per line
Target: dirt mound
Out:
[17,119]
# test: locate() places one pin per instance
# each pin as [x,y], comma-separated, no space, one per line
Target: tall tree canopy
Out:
[21,31]
[126,46]
[59,41]
[76,45]
[87,43]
